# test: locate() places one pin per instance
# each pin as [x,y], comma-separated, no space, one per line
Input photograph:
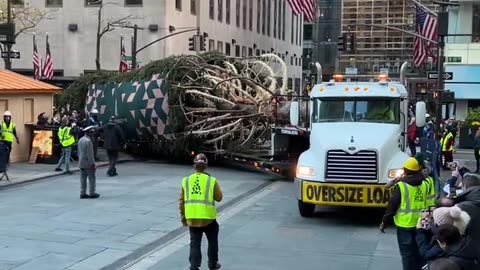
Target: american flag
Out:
[123,63]
[48,66]
[37,61]
[307,7]
[426,26]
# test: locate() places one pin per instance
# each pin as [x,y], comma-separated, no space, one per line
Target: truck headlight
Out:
[395,173]
[307,171]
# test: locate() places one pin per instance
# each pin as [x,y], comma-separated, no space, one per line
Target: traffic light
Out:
[203,43]
[353,43]
[341,43]
[191,43]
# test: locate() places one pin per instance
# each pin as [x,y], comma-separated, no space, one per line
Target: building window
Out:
[250,15]
[133,2]
[220,10]
[3,105]
[297,86]
[284,17]
[275,18]
[259,9]
[220,46]
[227,49]
[237,13]
[257,53]
[244,14]
[300,28]
[211,9]
[227,11]
[263,52]
[178,5]
[297,24]
[290,84]
[307,32]
[28,110]
[54,3]
[264,15]
[193,7]
[250,52]
[279,19]
[292,30]
[269,17]
[476,23]
[237,50]
[211,45]
[244,51]
[91,3]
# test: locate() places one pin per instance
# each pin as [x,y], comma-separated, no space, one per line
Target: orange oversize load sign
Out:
[345,194]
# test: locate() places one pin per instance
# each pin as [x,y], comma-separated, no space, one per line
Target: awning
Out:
[465,82]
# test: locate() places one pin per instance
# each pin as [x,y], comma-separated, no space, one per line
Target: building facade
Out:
[378,49]
[463,56]
[320,38]
[234,27]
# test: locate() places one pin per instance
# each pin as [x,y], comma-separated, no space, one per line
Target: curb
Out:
[55,174]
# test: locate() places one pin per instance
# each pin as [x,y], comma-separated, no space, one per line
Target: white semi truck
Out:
[357,142]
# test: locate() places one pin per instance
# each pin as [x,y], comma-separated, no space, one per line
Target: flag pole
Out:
[424,7]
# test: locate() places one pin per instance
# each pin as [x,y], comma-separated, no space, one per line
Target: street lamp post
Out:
[8,62]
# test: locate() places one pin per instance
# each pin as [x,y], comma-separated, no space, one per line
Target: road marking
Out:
[183,240]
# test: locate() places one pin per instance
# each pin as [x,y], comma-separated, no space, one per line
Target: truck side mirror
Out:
[420,112]
[294,113]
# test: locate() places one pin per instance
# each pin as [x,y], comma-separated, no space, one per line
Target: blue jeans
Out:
[411,259]
[65,158]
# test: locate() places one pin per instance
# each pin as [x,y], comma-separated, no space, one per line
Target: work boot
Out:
[215,267]
[84,196]
[94,196]
[58,169]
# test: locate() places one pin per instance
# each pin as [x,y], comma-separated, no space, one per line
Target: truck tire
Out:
[306,209]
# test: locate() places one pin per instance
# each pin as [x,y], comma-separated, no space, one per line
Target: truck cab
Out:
[357,144]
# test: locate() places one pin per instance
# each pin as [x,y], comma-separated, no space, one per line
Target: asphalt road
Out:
[135,225]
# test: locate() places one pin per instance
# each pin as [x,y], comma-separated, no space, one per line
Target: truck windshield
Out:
[377,110]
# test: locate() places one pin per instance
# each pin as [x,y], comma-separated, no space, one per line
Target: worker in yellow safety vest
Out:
[408,199]
[427,173]
[446,144]
[197,209]
[67,140]
[9,132]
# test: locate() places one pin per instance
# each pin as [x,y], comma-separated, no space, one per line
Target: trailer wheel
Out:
[306,209]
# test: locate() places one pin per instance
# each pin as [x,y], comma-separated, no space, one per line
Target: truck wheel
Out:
[306,209]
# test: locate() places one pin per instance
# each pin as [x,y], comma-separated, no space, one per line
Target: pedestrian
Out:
[455,248]
[443,264]
[412,137]
[87,164]
[409,198]
[93,121]
[197,209]
[446,143]
[476,147]
[429,225]
[114,140]
[469,201]
[429,177]
[9,132]
[67,140]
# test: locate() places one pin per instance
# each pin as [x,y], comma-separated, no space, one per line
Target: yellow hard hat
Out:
[411,164]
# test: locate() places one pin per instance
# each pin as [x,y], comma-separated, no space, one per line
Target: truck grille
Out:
[342,166]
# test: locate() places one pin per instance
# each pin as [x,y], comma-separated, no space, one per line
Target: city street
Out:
[135,225]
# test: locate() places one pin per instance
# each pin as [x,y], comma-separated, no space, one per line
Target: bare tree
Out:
[26,18]
[105,26]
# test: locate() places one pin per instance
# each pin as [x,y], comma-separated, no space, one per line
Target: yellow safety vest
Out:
[443,142]
[65,136]
[198,191]
[431,193]
[413,201]
[7,132]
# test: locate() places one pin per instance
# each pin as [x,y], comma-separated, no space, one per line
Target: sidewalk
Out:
[24,172]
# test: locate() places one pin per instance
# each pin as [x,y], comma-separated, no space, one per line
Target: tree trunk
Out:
[99,37]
